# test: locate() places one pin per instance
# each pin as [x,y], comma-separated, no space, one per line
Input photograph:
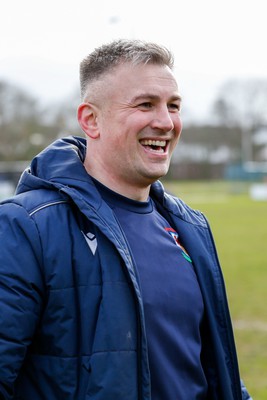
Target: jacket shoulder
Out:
[35,200]
[182,210]
[175,206]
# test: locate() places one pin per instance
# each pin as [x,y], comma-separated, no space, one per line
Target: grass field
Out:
[239,227]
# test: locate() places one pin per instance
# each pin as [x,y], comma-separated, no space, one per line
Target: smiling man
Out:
[132,122]
[110,288]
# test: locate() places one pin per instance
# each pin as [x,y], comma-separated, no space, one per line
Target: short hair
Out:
[104,58]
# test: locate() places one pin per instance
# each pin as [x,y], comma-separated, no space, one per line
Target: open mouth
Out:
[158,146]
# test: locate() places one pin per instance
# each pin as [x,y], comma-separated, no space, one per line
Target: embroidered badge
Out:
[175,237]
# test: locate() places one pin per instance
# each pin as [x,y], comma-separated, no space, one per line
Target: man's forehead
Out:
[140,81]
[147,71]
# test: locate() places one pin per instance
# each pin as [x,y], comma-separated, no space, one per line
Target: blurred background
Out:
[220,164]
[221,67]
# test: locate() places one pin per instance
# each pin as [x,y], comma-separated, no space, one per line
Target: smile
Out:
[155,145]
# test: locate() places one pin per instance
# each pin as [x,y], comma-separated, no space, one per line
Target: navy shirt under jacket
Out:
[173,304]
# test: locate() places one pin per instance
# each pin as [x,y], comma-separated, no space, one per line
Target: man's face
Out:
[139,123]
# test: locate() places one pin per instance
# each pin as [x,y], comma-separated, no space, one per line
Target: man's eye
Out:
[145,105]
[175,107]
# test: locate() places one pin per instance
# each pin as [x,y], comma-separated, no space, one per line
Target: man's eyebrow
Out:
[177,97]
[151,96]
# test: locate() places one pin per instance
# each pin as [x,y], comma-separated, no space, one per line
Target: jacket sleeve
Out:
[21,291]
[245,394]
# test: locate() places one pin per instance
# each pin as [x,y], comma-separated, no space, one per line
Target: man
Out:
[111,288]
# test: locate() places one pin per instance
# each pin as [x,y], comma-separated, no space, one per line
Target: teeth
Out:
[160,143]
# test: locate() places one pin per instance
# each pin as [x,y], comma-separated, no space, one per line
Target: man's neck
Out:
[137,193]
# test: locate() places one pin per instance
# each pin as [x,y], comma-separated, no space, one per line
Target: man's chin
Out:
[156,176]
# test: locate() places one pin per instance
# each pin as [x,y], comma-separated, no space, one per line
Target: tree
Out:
[242,104]
[25,127]
[19,119]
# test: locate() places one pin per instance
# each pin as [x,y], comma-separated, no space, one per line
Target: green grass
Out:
[239,226]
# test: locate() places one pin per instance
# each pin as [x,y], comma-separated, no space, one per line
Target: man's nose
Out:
[162,120]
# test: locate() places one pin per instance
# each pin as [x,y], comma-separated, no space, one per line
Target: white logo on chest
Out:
[91,241]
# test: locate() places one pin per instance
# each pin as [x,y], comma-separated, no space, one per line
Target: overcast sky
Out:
[42,42]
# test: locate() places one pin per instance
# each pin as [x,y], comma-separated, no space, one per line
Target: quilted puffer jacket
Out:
[71,320]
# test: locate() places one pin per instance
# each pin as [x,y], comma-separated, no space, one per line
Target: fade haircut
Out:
[106,57]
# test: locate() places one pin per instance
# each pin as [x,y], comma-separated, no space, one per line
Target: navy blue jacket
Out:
[71,320]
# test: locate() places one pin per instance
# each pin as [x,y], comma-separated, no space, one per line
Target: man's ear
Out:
[87,118]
